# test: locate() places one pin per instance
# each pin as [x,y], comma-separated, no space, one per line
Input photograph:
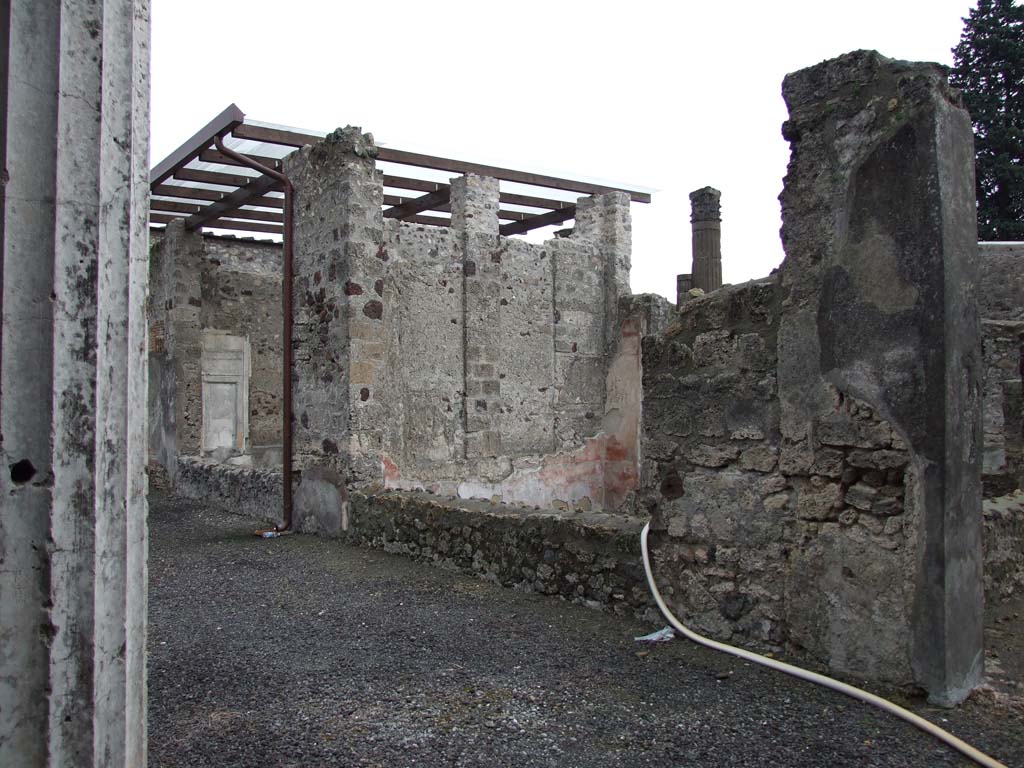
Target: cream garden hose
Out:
[812,677]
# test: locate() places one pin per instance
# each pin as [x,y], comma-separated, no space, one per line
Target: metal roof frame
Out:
[223,194]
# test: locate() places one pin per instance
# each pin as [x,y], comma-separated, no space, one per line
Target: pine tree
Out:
[989,69]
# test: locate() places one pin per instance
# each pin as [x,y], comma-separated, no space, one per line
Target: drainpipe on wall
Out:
[286,332]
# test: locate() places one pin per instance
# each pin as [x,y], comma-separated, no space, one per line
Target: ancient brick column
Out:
[74,249]
[706,223]
[880,236]
[474,206]
[339,267]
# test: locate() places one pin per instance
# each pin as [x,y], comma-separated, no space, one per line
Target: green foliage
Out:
[989,69]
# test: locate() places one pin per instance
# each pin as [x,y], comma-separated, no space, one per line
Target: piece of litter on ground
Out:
[661,636]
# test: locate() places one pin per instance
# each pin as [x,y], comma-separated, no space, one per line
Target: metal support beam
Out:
[389,155]
[222,124]
[534,222]
[200,193]
[419,204]
[255,188]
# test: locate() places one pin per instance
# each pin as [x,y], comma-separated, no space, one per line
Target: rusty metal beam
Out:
[433,221]
[419,204]
[417,185]
[173,206]
[212,177]
[215,156]
[541,220]
[275,135]
[248,226]
[223,123]
[244,213]
[389,155]
[201,193]
[223,207]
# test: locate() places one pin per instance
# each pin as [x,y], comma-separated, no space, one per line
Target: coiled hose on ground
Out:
[812,677]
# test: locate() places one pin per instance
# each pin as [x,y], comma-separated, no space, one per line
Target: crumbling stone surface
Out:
[812,442]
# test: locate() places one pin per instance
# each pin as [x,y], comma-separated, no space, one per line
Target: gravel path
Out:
[301,651]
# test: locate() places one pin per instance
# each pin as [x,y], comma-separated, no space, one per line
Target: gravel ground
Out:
[301,651]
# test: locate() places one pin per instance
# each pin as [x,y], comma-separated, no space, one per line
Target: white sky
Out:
[672,96]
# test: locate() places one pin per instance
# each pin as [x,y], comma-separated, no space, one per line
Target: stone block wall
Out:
[210,283]
[764,538]
[240,287]
[812,445]
[454,358]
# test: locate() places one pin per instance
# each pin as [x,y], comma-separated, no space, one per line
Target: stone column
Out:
[880,236]
[706,222]
[339,266]
[74,247]
[683,285]
[474,205]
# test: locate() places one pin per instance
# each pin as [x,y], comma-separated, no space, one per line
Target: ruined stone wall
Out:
[173,310]
[241,295]
[454,358]
[497,356]
[762,531]
[200,283]
[812,446]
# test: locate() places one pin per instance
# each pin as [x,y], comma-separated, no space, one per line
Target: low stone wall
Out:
[1004,547]
[247,491]
[591,558]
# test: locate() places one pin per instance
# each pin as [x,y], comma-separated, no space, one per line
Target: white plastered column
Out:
[74,250]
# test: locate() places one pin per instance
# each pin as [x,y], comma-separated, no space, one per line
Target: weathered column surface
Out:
[338,332]
[880,237]
[74,243]
[706,223]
